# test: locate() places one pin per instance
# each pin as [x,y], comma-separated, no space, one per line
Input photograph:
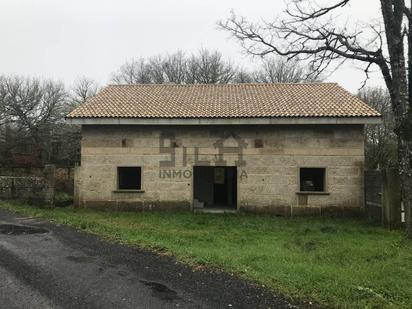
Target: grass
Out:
[62,199]
[335,262]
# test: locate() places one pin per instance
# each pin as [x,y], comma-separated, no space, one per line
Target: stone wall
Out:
[18,171]
[64,176]
[32,189]
[267,183]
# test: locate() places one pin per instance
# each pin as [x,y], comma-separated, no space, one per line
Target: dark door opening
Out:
[215,186]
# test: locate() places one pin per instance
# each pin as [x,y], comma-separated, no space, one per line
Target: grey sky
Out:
[64,40]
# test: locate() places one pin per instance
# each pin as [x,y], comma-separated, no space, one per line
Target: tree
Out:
[65,145]
[156,72]
[31,109]
[32,112]
[380,139]
[209,68]
[174,67]
[82,89]
[205,67]
[243,77]
[308,32]
[275,70]
[280,70]
[133,72]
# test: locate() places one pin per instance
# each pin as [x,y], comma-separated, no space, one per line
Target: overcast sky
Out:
[64,40]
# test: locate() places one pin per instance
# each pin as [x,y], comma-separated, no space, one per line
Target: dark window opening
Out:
[129,178]
[312,179]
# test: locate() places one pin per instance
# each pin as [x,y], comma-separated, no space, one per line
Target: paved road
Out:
[58,267]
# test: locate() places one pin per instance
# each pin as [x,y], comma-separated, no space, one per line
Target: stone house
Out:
[288,149]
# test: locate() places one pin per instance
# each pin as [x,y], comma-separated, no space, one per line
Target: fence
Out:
[383,198]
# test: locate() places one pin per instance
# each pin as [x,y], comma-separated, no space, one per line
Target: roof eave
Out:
[226,121]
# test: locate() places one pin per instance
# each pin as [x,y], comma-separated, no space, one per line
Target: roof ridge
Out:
[221,85]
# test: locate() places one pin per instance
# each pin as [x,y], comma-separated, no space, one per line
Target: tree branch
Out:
[304,16]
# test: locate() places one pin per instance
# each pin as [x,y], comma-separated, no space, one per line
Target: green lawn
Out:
[335,262]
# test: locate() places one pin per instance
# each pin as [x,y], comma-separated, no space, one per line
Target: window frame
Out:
[117,189]
[325,181]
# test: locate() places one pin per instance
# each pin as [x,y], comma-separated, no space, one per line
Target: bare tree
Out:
[243,77]
[155,66]
[280,70]
[205,67]
[82,89]
[276,70]
[174,67]
[32,108]
[65,143]
[380,139]
[309,31]
[210,68]
[191,71]
[133,72]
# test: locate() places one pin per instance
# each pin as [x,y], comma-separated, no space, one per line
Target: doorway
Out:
[215,187]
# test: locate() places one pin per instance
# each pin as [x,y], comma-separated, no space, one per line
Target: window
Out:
[312,179]
[129,178]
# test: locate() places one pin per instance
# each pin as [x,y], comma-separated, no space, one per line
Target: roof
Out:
[224,101]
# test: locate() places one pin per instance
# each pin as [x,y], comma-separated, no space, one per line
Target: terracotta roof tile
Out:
[223,101]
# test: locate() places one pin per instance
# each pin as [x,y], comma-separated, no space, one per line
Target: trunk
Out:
[399,88]
[405,167]
[410,59]
[407,180]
